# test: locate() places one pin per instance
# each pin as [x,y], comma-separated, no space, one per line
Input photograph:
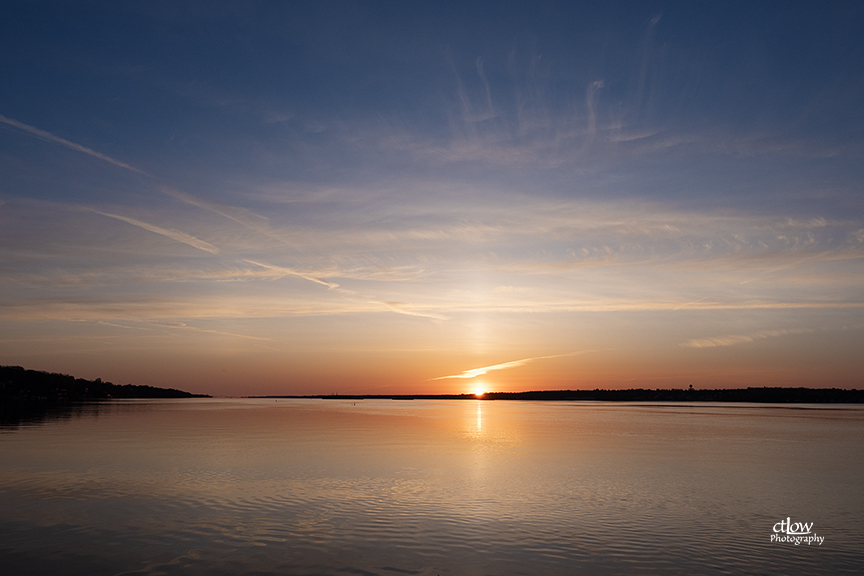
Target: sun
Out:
[479,391]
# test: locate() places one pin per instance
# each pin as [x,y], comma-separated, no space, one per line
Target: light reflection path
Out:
[430,487]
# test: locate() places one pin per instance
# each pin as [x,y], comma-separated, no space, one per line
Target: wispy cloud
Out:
[680,306]
[409,310]
[63,142]
[474,372]
[575,233]
[282,272]
[733,339]
[184,326]
[206,273]
[397,307]
[168,233]
[242,216]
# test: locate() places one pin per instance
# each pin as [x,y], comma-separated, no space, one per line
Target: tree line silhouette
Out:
[32,396]
[18,383]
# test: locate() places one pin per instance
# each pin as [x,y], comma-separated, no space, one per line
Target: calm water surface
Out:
[431,487]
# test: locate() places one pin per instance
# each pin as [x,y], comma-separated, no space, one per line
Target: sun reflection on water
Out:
[322,486]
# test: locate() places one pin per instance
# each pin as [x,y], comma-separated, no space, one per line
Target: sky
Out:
[249,198]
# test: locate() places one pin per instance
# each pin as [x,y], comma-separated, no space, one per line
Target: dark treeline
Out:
[760,395]
[31,396]
[21,384]
[766,395]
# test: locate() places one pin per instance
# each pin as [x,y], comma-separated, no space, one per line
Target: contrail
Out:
[403,308]
[689,303]
[242,216]
[184,326]
[282,271]
[474,372]
[62,141]
[173,234]
[247,218]
[397,307]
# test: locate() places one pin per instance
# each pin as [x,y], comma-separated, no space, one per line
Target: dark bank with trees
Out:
[33,395]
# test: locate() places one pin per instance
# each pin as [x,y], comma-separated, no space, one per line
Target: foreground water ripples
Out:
[433,488]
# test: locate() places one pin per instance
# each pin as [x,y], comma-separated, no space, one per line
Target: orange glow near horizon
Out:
[470,242]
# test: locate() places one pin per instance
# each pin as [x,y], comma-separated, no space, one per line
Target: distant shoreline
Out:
[756,395]
[20,385]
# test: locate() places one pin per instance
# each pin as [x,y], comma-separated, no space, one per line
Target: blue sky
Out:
[306,197]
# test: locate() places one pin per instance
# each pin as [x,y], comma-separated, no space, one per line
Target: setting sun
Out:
[478,391]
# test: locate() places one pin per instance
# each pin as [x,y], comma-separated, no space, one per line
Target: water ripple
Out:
[306,489]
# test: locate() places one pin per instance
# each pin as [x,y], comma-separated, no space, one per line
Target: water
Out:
[431,487]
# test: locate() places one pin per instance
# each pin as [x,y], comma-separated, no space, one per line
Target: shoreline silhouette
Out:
[21,386]
[768,395]
[32,396]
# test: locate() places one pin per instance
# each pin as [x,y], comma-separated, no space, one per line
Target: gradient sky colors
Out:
[399,197]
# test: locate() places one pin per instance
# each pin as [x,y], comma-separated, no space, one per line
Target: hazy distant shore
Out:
[760,395]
